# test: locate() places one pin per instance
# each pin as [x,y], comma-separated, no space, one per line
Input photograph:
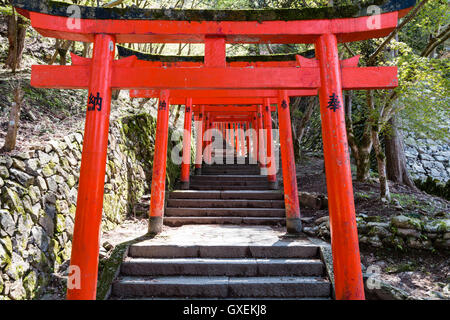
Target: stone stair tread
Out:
[204,280]
[225,203]
[219,286]
[178,221]
[223,188]
[217,212]
[195,260]
[250,267]
[278,250]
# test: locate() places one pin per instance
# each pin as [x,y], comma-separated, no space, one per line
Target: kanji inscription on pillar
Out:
[95,101]
[334,104]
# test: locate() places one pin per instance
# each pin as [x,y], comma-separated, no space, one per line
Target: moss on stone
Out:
[325,12]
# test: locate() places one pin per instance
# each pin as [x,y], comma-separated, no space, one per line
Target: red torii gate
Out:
[101,74]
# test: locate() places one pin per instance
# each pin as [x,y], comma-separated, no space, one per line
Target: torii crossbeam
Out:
[323,27]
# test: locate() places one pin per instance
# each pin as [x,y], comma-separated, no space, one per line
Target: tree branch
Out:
[407,19]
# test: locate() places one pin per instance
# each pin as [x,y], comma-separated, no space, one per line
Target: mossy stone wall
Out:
[38,193]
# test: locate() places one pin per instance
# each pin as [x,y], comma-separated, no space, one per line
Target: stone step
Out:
[221,287]
[236,299]
[231,166]
[219,188]
[222,267]
[230,172]
[231,183]
[180,221]
[249,195]
[275,250]
[229,177]
[225,212]
[224,203]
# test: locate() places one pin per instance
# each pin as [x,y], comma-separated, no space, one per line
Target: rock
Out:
[311,231]
[4,173]
[44,158]
[4,258]
[71,181]
[40,238]
[375,241]
[50,197]
[47,223]
[17,291]
[406,222]
[446,236]
[7,222]
[103,253]
[52,184]
[35,194]
[421,244]
[29,283]
[48,170]
[313,200]
[322,219]
[18,164]
[32,167]
[442,243]
[438,226]
[408,233]
[23,178]
[6,161]
[425,156]
[17,268]
[379,230]
[2,183]
[24,155]
[42,184]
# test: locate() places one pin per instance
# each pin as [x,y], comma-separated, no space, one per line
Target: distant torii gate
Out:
[323,27]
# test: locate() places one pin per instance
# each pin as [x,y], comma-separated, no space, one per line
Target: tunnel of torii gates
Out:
[322,27]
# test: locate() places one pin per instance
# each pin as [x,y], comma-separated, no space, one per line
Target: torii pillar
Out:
[88,217]
[344,236]
[199,142]
[158,190]
[186,164]
[293,222]
[271,165]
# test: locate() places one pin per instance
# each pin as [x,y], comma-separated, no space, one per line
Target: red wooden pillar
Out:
[186,164]
[293,222]
[344,234]
[208,136]
[254,141]
[247,136]
[241,134]
[236,138]
[199,142]
[261,149]
[271,166]
[88,217]
[159,165]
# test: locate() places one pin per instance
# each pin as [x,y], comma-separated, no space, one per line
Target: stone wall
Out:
[428,158]
[38,193]
[400,232]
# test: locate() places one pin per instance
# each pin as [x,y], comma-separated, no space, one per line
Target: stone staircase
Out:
[226,194]
[222,262]
[229,244]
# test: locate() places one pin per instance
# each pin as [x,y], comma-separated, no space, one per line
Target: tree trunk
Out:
[395,156]
[381,164]
[381,158]
[17,30]
[306,105]
[13,125]
[360,151]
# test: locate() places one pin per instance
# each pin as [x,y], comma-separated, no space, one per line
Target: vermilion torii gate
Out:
[323,27]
